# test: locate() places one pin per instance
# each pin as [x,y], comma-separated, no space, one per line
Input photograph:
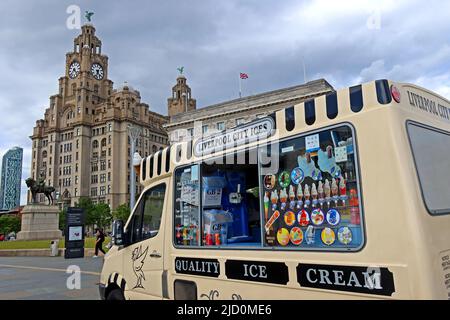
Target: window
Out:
[204,128]
[146,219]
[282,197]
[430,150]
[221,126]
[93,192]
[239,121]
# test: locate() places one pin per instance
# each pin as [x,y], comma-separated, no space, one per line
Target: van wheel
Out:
[115,294]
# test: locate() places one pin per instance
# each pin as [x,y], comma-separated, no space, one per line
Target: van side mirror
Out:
[118,233]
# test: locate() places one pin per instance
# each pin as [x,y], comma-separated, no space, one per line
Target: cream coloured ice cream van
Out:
[346,196]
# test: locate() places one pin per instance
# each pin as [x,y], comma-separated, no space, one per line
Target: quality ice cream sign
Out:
[241,135]
[368,280]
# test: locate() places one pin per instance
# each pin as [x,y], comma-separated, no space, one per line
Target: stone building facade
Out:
[81,146]
[186,121]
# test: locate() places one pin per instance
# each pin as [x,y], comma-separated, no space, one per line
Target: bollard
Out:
[54,248]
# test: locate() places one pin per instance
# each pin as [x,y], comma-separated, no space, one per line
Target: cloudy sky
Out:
[345,42]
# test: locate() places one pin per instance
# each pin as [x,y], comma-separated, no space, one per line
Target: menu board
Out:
[312,200]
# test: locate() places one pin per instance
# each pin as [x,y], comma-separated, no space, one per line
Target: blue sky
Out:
[345,42]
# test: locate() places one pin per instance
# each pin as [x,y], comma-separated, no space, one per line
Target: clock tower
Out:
[81,145]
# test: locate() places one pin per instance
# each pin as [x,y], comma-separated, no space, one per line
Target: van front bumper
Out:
[101,290]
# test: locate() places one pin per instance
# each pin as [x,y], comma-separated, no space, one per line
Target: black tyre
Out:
[115,294]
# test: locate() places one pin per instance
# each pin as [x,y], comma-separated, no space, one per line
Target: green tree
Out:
[62,220]
[86,204]
[102,215]
[9,224]
[122,212]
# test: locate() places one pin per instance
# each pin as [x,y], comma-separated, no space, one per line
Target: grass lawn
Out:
[43,244]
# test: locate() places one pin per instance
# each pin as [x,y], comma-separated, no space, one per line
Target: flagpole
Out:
[240,86]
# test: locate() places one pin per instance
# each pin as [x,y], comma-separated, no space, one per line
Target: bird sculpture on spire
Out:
[88,15]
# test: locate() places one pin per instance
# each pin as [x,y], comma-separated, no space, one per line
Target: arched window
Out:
[95,144]
[154,149]
[104,142]
[44,154]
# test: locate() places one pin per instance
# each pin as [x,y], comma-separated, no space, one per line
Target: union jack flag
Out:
[243,75]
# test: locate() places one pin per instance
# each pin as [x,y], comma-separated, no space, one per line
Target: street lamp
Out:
[133,133]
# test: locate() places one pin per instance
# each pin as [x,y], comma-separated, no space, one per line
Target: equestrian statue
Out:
[40,187]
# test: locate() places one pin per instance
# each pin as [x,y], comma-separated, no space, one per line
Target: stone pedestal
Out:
[40,222]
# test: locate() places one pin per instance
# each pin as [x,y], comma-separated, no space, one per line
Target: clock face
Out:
[74,69]
[97,71]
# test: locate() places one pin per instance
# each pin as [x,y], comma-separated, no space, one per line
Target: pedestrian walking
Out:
[99,242]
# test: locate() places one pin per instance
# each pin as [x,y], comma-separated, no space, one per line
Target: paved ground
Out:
[45,278]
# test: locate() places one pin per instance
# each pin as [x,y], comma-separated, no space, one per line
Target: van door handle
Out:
[155,254]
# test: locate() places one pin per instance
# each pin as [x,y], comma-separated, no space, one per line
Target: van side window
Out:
[187,206]
[300,193]
[152,211]
[430,148]
[146,219]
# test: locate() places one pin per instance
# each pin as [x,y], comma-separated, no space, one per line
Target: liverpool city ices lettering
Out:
[234,137]
[428,105]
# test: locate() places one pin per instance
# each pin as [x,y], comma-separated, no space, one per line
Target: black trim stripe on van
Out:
[178,153]
[356,98]
[310,112]
[159,163]
[144,169]
[150,159]
[383,91]
[189,149]
[332,105]
[332,109]
[168,149]
[289,114]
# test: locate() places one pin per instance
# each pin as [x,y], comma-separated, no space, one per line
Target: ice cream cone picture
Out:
[274,200]
[137,164]
[283,199]
[299,197]
[327,190]
[296,236]
[307,196]
[266,205]
[335,191]
[283,237]
[314,195]
[291,197]
[328,237]
[343,191]
[321,194]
